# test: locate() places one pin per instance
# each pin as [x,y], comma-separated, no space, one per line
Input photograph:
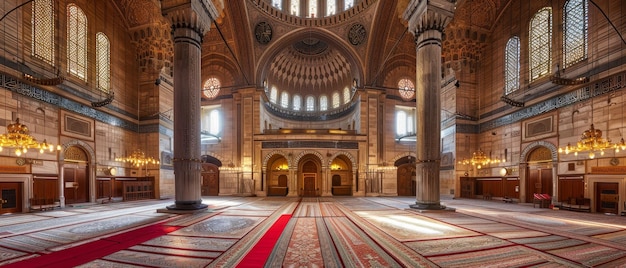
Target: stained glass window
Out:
[331,7]
[336,100]
[312,9]
[310,104]
[323,103]
[76,42]
[540,47]
[574,32]
[511,65]
[103,62]
[211,87]
[346,95]
[274,95]
[295,7]
[43,30]
[284,99]
[297,103]
[407,89]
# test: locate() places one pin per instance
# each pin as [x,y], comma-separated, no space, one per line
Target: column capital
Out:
[423,15]
[196,15]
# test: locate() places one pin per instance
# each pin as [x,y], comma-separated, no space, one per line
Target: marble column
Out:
[427,20]
[190,20]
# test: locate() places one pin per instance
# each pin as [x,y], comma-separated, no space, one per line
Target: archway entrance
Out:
[406,176]
[76,176]
[539,179]
[309,182]
[277,176]
[341,176]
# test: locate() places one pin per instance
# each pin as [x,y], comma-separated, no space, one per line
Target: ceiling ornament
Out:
[357,34]
[263,33]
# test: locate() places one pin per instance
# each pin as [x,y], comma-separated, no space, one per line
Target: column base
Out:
[188,205]
[430,207]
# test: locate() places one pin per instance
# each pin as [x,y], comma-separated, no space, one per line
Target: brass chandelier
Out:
[138,159]
[592,141]
[480,159]
[18,137]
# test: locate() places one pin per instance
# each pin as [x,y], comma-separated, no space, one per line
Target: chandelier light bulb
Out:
[18,152]
[592,155]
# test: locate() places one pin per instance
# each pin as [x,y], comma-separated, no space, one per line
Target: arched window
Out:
[323,103]
[310,103]
[284,99]
[312,9]
[574,32]
[511,65]
[215,124]
[294,8]
[274,95]
[103,62]
[76,42]
[277,4]
[297,103]
[336,100]
[400,123]
[405,121]
[540,47]
[211,88]
[348,4]
[43,30]
[406,88]
[346,95]
[331,7]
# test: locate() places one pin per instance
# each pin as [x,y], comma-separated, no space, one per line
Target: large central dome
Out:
[310,66]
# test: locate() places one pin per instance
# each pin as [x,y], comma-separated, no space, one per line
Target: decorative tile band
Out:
[310,144]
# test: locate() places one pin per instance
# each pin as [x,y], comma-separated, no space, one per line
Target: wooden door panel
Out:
[309,186]
[10,197]
[607,197]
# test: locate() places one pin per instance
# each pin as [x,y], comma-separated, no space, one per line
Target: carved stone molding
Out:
[196,15]
[155,48]
[423,15]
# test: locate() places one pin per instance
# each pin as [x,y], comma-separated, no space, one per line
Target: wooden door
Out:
[210,180]
[607,197]
[309,186]
[538,181]
[406,182]
[10,197]
[76,188]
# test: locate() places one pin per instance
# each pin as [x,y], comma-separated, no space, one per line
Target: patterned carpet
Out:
[327,232]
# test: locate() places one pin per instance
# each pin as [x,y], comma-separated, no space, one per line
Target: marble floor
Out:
[320,232]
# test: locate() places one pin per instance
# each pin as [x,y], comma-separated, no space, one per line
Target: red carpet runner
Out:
[259,254]
[96,249]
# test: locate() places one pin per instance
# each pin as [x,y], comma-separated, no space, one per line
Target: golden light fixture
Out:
[18,137]
[138,159]
[591,140]
[479,159]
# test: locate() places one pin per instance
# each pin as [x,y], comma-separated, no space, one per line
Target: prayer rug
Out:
[355,248]
[456,245]
[410,227]
[538,239]
[261,251]
[304,249]
[618,237]
[221,226]
[191,243]
[7,254]
[308,210]
[590,254]
[155,260]
[513,256]
[330,210]
[556,244]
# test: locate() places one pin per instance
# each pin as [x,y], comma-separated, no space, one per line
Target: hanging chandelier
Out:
[591,140]
[138,159]
[480,159]
[18,137]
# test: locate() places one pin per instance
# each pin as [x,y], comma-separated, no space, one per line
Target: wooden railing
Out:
[136,190]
